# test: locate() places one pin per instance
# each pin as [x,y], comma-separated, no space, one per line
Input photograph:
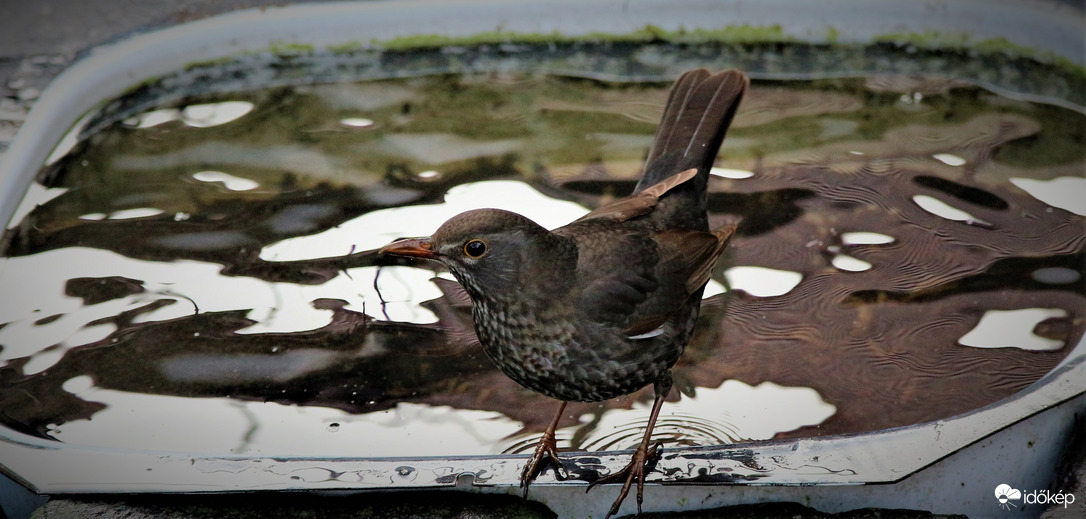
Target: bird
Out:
[605,305]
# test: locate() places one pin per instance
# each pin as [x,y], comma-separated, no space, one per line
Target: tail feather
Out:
[699,110]
[670,133]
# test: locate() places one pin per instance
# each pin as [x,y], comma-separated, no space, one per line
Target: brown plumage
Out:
[605,305]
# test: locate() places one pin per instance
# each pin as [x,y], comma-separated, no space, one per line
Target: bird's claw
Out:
[547,448]
[635,470]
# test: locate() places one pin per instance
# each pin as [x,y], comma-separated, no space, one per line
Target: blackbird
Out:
[605,305]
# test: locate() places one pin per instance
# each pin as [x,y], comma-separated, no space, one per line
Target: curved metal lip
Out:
[874,457]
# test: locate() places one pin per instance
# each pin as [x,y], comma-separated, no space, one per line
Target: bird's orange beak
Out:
[412,247]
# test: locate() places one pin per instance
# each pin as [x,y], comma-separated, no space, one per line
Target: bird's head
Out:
[494,253]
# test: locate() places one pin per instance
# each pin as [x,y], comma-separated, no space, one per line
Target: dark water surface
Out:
[202,276]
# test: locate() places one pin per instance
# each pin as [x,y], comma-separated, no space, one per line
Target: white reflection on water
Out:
[1013,329]
[736,174]
[762,281]
[216,425]
[138,212]
[865,238]
[378,228]
[849,264]
[945,210]
[196,116]
[949,159]
[40,279]
[228,181]
[1064,192]
[733,412]
[36,194]
[356,122]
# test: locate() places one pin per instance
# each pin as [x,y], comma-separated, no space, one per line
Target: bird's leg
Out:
[547,447]
[642,457]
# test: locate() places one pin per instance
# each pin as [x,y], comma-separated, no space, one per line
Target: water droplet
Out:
[333,427]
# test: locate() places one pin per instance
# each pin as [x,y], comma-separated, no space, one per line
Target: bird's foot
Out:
[639,465]
[546,452]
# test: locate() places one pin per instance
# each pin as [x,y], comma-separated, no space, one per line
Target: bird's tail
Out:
[699,110]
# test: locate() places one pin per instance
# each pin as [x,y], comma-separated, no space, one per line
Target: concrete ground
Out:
[40,39]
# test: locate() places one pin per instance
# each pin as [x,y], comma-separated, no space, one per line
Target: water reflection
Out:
[203,115]
[850,264]
[356,122]
[36,195]
[865,238]
[226,425]
[762,281]
[1062,192]
[1013,329]
[375,229]
[897,249]
[228,181]
[731,413]
[949,159]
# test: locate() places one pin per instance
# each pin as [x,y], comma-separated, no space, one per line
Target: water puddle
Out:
[201,276]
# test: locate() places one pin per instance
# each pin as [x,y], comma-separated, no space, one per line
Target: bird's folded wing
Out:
[615,296]
[693,253]
[620,293]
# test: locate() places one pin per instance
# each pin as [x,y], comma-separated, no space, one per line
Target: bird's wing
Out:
[642,280]
[639,203]
[614,296]
[691,255]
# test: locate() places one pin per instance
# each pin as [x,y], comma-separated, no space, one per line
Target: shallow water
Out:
[201,276]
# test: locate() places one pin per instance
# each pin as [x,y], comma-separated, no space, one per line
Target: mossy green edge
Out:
[929,40]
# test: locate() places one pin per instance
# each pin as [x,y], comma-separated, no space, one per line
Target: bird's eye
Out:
[475,248]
